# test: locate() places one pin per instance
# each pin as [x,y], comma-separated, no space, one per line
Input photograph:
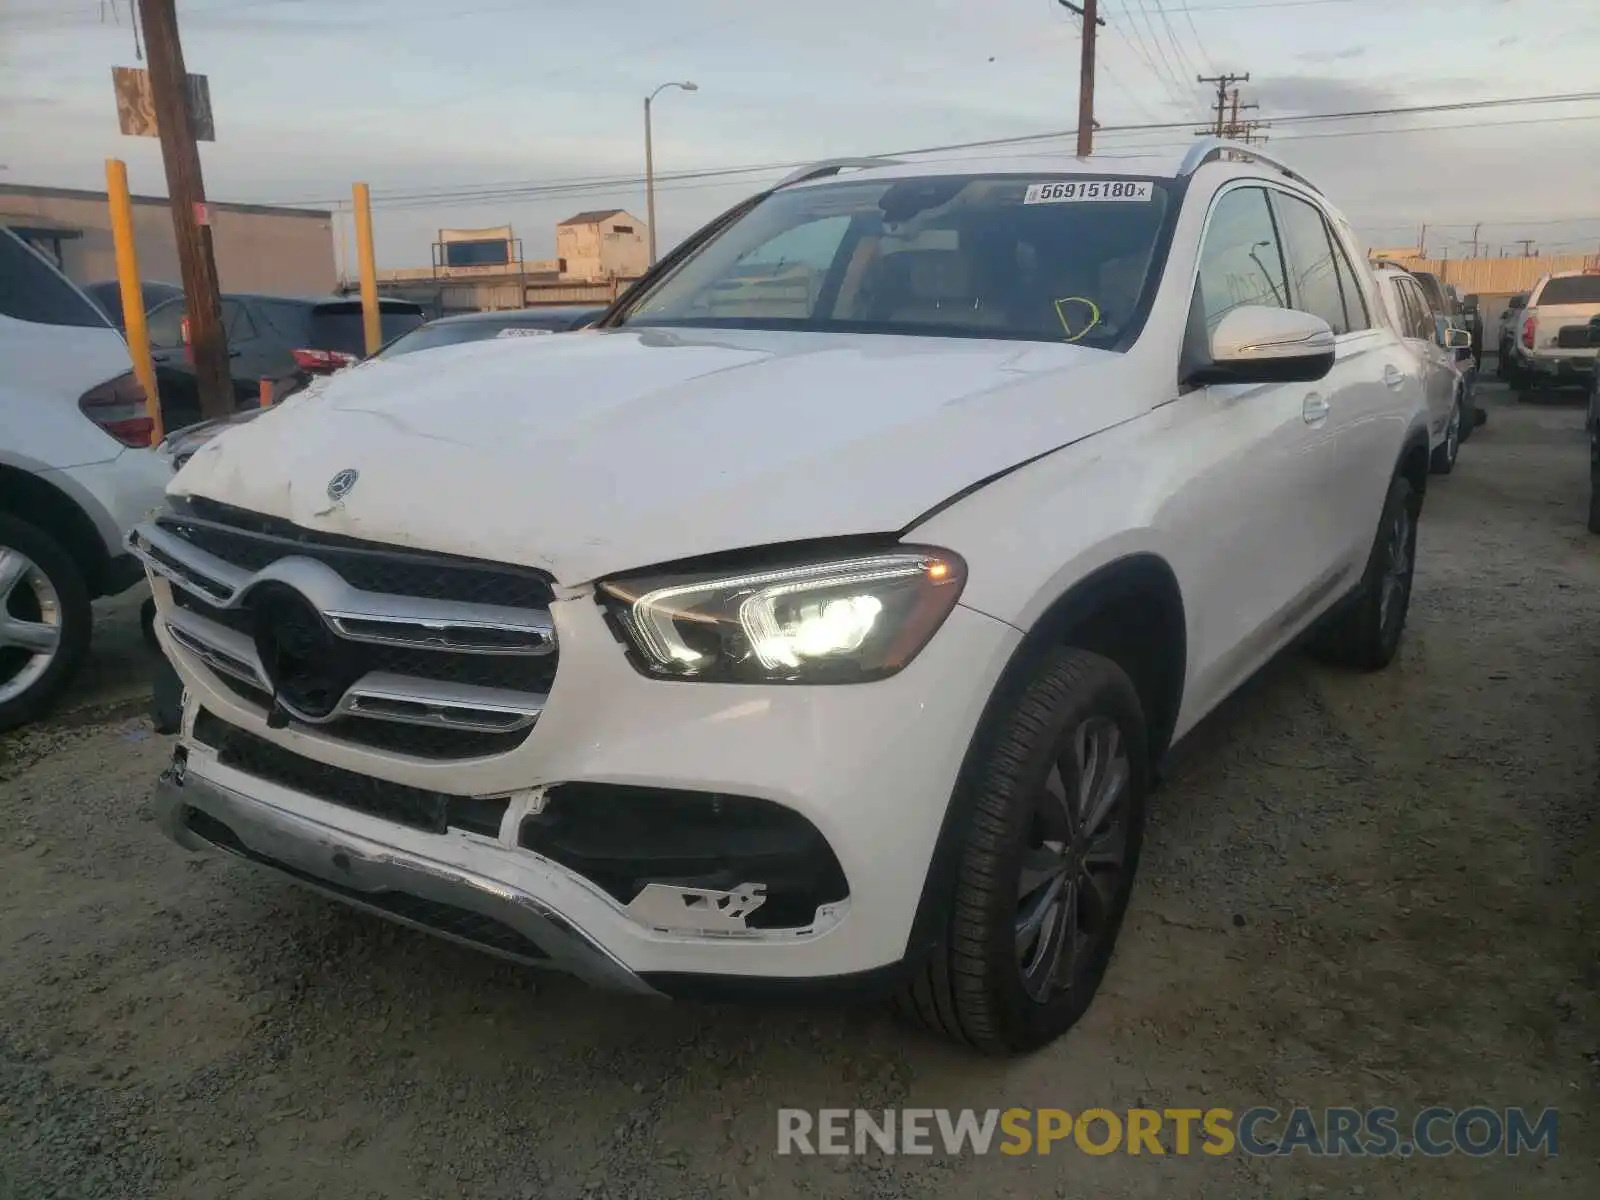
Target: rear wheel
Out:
[1366,634]
[45,621]
[1444,456]
[1047,863]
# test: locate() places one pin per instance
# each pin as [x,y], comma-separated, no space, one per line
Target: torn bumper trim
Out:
[404,887]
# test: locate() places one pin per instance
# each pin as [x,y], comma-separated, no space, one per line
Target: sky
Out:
[420,97]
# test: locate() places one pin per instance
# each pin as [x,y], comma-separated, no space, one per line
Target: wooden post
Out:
[180,155]
[133,321]
[370,320]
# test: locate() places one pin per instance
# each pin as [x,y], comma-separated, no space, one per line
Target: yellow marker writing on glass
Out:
[1066,325]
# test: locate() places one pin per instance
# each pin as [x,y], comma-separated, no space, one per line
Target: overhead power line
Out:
[508,189]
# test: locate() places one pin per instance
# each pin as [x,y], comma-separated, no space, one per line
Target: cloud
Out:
[1329,56]
[1320,94]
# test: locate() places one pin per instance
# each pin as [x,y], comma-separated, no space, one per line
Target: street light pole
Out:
[650,162]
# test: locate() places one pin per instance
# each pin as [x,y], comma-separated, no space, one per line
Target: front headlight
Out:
[849,620]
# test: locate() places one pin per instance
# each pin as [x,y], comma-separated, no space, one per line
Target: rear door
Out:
[250,349]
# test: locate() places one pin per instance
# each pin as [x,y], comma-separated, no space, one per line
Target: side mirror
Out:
[1594,331]
[1256,344]
[1457,339]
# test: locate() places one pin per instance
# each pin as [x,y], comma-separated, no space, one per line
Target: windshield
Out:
[1059,259]
[1571,289]
[340,328]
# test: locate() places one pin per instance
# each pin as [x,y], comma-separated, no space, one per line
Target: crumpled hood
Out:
[597,452]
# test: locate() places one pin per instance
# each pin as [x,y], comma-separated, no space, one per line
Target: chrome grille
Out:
[278,619]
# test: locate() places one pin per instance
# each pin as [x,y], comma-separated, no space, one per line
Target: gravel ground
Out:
[1356,890]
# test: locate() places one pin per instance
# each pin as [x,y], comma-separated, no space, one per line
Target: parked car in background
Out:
[1592,425]
[1506,363]
[445,331]
[76,473]
[269,337]
[107,293]
[820,620]
[1434,343]
[1554,338]
[1472,314]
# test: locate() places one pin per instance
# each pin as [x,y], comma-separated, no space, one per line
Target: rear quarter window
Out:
[32,290]
[1571,289]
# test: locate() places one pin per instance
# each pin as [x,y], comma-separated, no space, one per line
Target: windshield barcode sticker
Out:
[1082,190]
[521,331]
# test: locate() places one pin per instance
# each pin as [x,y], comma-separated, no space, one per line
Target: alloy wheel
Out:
[1076,859]
[1396,581]
[30,623]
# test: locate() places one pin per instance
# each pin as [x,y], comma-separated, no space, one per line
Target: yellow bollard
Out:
[132,294]
[369,269]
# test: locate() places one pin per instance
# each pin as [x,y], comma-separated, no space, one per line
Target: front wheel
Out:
[45,621]
[1047,864]
[1366,634]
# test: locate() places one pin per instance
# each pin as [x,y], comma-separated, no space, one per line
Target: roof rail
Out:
[832,166]
[1215,149]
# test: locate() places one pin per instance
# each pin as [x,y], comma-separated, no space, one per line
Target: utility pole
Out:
[1527,247]
[1089,10]
[1223,82]
[1422,243]
[1475,229]
[191,225]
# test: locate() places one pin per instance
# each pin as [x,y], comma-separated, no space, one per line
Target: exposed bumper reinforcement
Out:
[404,887]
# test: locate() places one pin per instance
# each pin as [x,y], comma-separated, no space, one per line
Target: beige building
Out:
[604,244]
[279,251]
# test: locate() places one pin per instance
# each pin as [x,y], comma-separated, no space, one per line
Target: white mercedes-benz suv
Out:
[820,618]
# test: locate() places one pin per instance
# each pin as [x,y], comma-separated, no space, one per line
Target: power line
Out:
[1120,151]
[514,187]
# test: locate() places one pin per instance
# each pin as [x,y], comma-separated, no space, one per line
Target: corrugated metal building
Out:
[279,251]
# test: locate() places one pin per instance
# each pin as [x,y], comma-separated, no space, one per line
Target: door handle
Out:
[1315,409]
[1394,377]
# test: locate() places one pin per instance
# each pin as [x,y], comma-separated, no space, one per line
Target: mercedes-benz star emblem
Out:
[339,486]
[309,669]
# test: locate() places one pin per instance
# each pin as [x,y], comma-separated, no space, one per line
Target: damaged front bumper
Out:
[423,893]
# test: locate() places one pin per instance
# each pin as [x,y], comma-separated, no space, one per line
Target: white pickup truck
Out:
[1554,334]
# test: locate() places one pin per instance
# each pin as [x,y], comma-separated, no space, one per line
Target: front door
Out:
[1253,526]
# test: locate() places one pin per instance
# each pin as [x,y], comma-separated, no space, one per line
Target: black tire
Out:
[1443,460]
[1365,634]
[1594,483]
[75,620]
[972,990]
[166,699]
[147,623]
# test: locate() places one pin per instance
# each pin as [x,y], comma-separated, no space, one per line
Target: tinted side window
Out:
[1422,326]
[1313,277]
[1240,262]
[291,321]
[236,320]
[165,324]
[32,290]
[1357,315]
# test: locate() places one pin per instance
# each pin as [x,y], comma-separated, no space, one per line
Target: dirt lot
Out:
[1356,890]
